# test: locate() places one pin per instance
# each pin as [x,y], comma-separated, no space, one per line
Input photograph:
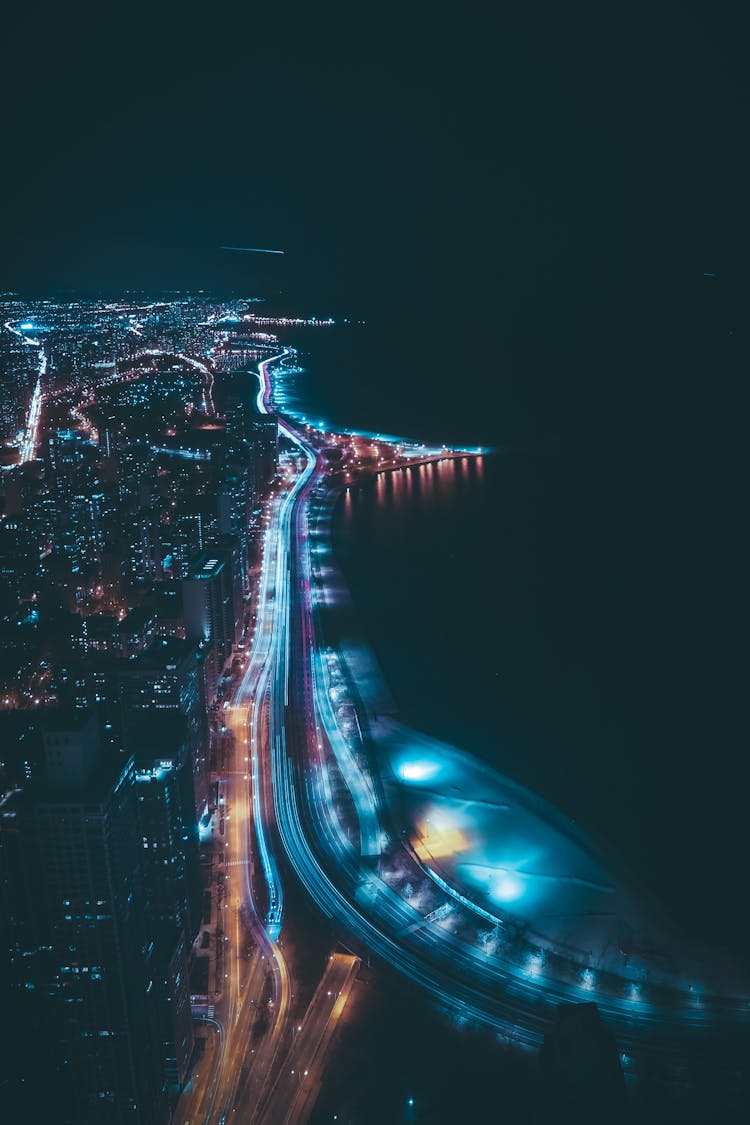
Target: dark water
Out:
[562,608]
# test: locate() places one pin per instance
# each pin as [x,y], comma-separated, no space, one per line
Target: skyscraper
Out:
[167,679]
[82,953]
[212,599]
[168,828]
[265,439]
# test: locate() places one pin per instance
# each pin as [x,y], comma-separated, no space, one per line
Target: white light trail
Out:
[250,250]
[28,445]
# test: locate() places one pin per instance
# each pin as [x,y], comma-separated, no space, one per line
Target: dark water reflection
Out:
[496,633]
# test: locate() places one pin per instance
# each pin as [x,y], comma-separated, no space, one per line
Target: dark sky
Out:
[547,187]
[454,156]
[393,153]
[534,171]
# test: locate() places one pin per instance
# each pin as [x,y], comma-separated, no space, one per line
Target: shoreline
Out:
[373,700]
[390,896]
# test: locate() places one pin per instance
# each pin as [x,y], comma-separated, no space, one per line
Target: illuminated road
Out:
[299,709]
[297,742]
[27,448]
[28,444]
[297,1085]
[252,1026]
[244,1069]
[508,982]
[215,1096]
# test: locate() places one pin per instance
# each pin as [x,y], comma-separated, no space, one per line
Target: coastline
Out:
[421,837]
[670,958]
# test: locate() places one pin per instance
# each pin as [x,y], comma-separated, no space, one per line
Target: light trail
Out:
[21,333]
[29,440]
[251,250]
[284,705]
[230,1089]
[296,1086]
[503,989]
[263,397]
[359,784]
[325,892]
[28,445]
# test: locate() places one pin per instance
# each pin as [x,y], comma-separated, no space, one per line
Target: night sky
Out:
[550,189]
[449,160]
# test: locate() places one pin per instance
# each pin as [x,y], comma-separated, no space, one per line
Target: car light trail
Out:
[398,915]
[506,982]
[28,445]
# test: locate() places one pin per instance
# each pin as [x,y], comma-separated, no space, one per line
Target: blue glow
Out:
[534,965]
[461,898]
[506,887]
[587,980]
[187,454]
[422,769]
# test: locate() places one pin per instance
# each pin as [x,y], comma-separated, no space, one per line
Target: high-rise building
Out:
[234,501]
[136,632]
[112,435]
[145,545]
[81,952]
[97,633]
[168,832]
[212,599]
[177,1039]
[186,539]
[136,475]
[166,679]
[265,440]
[18,562]
[78,535]
[68,460]
[168,828]
[246,427]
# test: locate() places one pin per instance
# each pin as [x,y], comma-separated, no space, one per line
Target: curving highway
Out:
[346,863]
[304,798]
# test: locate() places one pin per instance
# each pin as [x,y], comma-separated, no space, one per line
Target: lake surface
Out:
[536,609]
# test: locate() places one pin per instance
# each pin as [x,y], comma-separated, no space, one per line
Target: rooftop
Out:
[164,654]
[206,565]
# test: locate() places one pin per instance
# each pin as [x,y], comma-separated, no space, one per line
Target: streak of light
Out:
[251,250]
